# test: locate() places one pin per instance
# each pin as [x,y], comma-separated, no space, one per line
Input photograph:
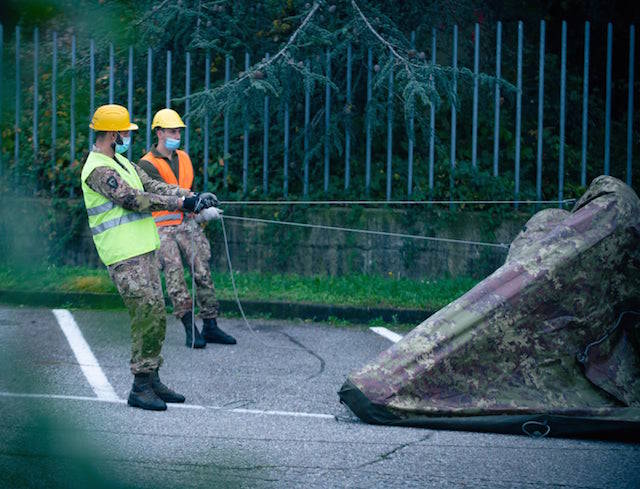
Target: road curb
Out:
[273,309]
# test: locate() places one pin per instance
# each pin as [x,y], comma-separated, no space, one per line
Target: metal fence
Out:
[426,170]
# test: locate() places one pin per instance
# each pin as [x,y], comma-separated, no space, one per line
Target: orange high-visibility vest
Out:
[184,180]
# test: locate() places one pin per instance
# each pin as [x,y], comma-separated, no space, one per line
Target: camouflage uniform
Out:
[183,238]
[137,279]
[138,283]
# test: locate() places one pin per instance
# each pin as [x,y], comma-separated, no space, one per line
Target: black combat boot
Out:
[143,396]
[189,328]
[213,334]
[162,391]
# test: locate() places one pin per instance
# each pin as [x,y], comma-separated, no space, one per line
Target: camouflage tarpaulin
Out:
[548,344]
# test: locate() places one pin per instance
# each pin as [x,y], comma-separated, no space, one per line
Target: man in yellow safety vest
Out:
[178,233]
[119,197]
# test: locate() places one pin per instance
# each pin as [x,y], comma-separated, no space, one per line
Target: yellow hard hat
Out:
[167,119]
[112,117]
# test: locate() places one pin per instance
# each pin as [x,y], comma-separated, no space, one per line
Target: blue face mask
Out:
[172,144]
[124,146]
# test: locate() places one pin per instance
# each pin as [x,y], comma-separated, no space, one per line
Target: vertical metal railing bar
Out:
[16,149]
[347,126]
[454,102]
[411,137]
[563,102]
[518,115]
[285,184]
[130,95]
[327,118]
[167,101]
[476,69]
[111,77]
[149,74]
[585,105]
[607,110]
[496,113]
[187,101]
[307,114]
[54,107]
[72,113]
[245,140]
[92,87]
[1,78]
[540,131]
[632,47]
[390,131]
[36,61]
[205,132]
[225,142]
[367,176]
[432,120]
[265,144]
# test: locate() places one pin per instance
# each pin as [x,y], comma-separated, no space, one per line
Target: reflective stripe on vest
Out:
[99,209]
[118,221]
[168,217]
[184,180]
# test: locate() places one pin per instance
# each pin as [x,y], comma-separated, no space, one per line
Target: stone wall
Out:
[36,232]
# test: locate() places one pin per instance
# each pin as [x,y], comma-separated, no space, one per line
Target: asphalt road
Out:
[263,413]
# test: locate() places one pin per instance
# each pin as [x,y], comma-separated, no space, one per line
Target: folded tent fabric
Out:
[548,344]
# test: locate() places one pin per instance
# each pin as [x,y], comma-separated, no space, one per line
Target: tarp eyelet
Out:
[536,429]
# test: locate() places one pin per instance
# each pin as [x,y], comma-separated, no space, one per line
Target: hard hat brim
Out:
[132,127]
[177,126]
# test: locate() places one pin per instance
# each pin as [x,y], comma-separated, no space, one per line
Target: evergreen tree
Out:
[299,35]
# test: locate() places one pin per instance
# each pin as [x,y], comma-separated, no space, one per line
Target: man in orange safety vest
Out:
[179,234]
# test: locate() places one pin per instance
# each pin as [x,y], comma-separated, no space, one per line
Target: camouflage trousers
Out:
[187,239]
[138,282]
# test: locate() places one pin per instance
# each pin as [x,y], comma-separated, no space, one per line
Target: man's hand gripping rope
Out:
[198,202]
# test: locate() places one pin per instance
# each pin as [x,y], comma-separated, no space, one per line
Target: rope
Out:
[393,202]
[235,294]
[193,286]
[193,224]
[365,231]
[583,357]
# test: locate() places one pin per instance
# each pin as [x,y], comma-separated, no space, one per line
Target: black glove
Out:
[200,201]
[191,204]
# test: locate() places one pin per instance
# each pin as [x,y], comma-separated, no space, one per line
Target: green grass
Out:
[352,290]
[57,279]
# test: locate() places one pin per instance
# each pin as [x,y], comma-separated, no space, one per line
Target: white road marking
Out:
[171,406]
[390,335]
[279,413]
[58,396]
[86,359]
[185,406]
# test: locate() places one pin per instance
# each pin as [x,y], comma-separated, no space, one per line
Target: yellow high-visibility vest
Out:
[118,233]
